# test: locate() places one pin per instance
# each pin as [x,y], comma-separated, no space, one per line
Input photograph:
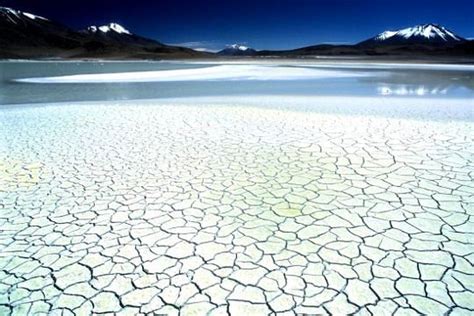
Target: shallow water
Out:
[363,80]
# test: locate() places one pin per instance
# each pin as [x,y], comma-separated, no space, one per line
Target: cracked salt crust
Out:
[200,210]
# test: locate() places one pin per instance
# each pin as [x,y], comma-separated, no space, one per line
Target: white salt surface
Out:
[176,207]
[219,72]
[320,62]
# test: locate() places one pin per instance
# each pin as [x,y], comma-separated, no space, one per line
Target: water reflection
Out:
[421,82]
[419,90]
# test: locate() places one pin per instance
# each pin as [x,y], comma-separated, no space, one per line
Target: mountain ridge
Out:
[25,35]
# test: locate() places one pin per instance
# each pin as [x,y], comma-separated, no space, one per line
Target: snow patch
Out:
[29,15]
[385,35]
[10,11]
[239,47]
[111,27]
[19,14]
[33,17]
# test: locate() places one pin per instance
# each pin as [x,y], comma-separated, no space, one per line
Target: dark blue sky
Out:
[263,24]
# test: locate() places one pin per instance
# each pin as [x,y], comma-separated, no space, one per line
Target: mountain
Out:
[25,35]
[237,50]
[116,33]
[420,41]
[419,34]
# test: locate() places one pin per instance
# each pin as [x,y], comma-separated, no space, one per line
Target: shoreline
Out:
[319,59]
[425,109]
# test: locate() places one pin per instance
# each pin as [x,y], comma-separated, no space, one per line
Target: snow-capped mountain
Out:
[22,31]
[237,50]
[26,35]
[116,33]
[419,34]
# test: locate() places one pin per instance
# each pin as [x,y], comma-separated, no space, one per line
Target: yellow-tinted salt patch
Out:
[19,174]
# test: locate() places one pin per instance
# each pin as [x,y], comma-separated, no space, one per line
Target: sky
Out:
[261,24]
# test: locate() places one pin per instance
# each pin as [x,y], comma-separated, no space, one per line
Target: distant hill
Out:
[25,35]
[237,50]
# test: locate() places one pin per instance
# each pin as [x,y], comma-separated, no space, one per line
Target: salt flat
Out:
[213,72]
[174,207]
